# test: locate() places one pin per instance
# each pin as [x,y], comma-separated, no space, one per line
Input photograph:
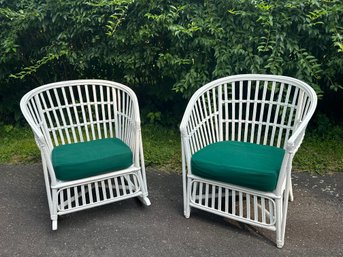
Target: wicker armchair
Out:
[239,136]
[88,132]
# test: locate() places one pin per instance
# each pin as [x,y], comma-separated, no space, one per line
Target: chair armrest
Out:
[184,135]
[185,145]
[294,142]
[39,138]
[183,131]
[40,141]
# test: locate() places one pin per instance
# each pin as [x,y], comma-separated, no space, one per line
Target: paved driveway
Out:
[314,225]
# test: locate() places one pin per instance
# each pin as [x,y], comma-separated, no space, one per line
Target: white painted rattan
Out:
[84,110]
[262,109]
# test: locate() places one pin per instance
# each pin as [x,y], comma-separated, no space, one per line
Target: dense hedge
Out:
[166,49]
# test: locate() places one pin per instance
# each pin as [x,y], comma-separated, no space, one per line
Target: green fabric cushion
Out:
[239,163]
[86,159]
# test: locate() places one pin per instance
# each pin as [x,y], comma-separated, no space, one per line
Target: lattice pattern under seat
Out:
[233,203]
[98,192]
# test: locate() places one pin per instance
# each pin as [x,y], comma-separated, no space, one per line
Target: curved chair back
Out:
[81,110]
[261,109]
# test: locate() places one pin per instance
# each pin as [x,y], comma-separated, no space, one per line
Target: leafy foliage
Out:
[166,49]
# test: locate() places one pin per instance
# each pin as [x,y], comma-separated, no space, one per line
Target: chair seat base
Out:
[262,209]
[99,191]
[229,201]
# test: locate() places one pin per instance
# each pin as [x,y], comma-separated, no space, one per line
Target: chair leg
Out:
[145,200]
[185,185]
[187,208]
[284,213]
[54,224]
[291,196]
[279,218]
[53,213]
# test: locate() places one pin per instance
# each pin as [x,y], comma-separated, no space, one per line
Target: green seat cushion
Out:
[239,163]
[86,159]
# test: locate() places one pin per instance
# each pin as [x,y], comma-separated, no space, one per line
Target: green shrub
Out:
[166,49]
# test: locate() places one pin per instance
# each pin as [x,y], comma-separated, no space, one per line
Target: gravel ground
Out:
[314,224]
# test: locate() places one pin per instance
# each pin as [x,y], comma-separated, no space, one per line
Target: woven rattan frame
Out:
[84,110]
[261,109]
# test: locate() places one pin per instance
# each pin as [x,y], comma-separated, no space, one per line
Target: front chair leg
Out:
[145,200]
[279,238]
[53,209]
[54,224]
[291,196]
[144,197]
[187,208]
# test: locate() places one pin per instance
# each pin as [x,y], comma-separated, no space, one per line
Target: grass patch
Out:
[17,145]
[321,153]
[162,147]
[318,153]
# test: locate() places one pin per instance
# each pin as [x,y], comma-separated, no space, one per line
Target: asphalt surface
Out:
[127,228]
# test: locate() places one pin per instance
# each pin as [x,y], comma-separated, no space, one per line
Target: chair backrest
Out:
[262,109]
[81,110]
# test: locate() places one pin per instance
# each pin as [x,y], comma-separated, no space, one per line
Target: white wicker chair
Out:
[266,111]
[62,115]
